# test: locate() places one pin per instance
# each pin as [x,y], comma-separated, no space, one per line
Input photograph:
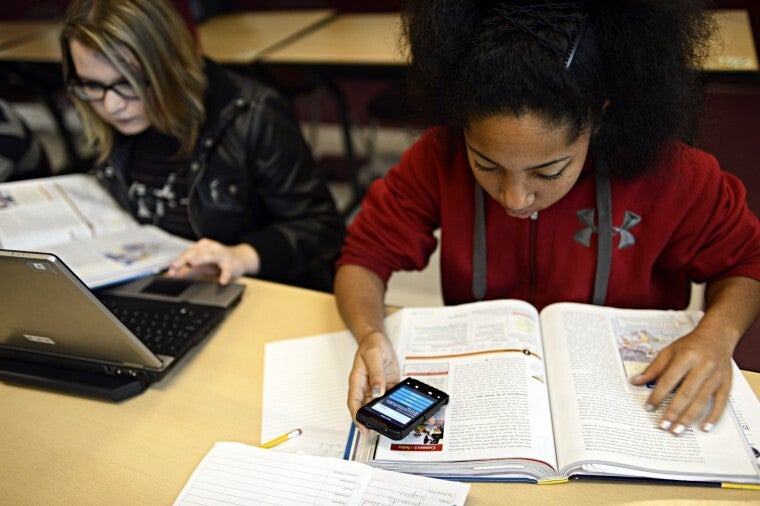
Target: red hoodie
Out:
[694,226]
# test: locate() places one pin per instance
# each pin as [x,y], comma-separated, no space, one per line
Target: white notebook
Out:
[235,473]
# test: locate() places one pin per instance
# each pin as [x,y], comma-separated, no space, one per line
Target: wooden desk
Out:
[349,39]
[373,39]
[315,37]
[733,47]
[15,32]
[34,42]
[234,39]
[61,449]
[241,38]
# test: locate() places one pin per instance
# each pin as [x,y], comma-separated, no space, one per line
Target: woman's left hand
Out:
[211,259]
[697,369]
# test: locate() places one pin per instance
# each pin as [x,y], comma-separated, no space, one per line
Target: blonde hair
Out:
[149,44]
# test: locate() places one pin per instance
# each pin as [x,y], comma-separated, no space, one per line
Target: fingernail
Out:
[707,427]
[664,425]
[649,408]
[678,429]
[375,392]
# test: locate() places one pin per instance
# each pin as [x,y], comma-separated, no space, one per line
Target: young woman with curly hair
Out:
[561,171]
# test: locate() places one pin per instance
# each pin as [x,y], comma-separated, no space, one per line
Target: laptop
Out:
[56,333]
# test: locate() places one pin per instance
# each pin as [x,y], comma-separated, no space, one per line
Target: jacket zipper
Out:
[112,171]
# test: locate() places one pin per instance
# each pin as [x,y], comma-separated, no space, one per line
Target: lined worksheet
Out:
[316,395]
[238,474]
[315,398]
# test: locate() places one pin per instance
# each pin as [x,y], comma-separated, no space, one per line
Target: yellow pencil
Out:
[282,439]
[743,486]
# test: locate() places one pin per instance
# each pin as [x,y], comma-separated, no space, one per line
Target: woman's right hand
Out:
[375,369]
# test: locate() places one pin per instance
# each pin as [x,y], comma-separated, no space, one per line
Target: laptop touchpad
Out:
[167,286]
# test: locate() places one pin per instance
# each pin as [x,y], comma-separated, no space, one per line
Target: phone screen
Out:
[403,405]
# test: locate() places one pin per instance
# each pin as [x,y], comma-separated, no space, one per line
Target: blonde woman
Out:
[197,150]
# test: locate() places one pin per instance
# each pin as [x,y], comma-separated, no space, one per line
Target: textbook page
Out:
[118,257]
[235,473]
[602,426]
[59,209]
[489,358]
[75,218]
[747,410]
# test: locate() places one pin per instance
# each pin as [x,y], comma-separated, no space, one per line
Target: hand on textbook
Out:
[211,259]
[375,366]
[697,367]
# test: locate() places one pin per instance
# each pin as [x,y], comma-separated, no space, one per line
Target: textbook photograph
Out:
[75,218]
[545,397]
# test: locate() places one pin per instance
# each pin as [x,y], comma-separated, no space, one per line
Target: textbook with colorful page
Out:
[547,397]
[75,218]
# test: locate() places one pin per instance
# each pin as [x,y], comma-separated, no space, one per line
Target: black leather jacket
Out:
[253,181]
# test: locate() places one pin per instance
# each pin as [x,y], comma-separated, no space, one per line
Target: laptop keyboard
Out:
[166,328]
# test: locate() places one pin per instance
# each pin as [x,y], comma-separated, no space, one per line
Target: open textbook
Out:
[75,218]
[548,397]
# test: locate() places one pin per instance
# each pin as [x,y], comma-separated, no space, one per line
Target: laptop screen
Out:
[45,308]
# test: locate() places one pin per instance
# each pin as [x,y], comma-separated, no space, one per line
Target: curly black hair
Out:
[628,70]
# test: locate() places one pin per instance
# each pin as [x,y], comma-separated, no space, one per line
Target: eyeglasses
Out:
[91,91]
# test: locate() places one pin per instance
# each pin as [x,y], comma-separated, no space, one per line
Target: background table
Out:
[733,48]
[235,39]
[16,32]
[241,38]
[348,39]
[318,37]
[373,39]
[30,41]
[63,449]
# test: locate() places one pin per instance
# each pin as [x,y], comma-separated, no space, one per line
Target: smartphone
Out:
[402,408]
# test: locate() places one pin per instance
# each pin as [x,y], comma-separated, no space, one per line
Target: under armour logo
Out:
[586,217]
